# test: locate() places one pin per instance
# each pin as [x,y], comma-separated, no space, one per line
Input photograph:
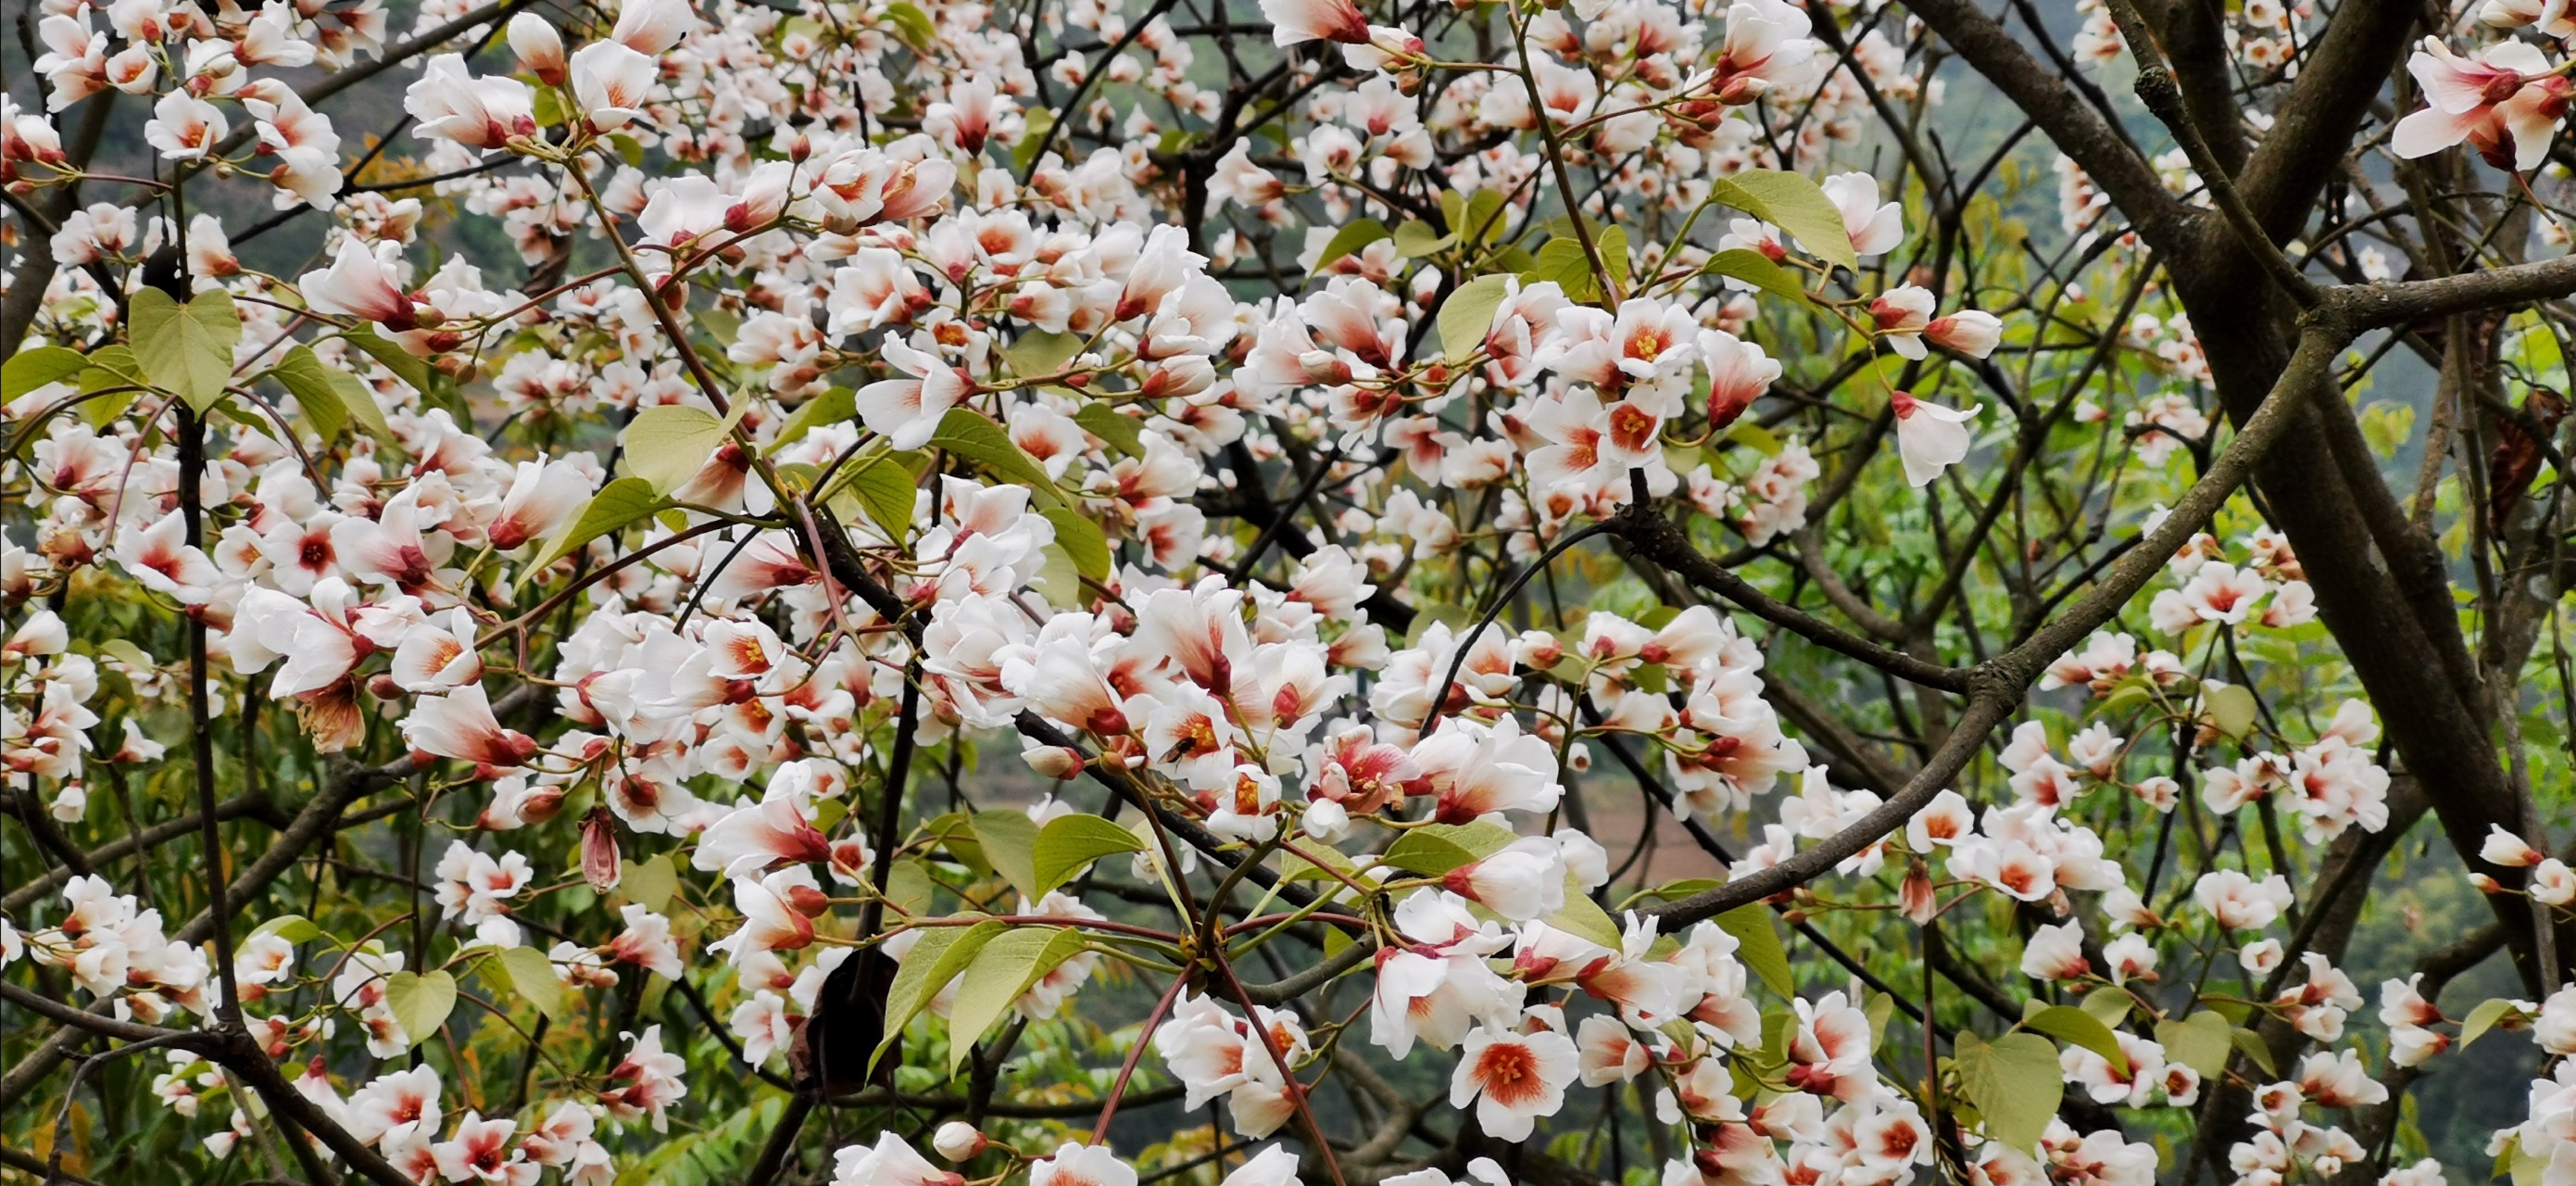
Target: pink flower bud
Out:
[1921,905]
[599,864]
[1054,761]
[1967,332]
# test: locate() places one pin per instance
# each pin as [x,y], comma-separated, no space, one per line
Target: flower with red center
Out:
[394,1106]
[480,1152]
[1513,1078]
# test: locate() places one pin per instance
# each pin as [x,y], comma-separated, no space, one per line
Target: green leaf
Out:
[186,350]
[28,370]
[1350,238]
[1415,238]
[1004,969]
[649,883]
[1293,867]
[1482,218]
[1612,243]
[1758,946]
[1059,579]
[1881,1007]
[394,358]
[1794,204]
[885,490]
[109,366]
[2200,1041]
[1750,434]
[936,959]
[2109,1006]
[2255,1050]
[2482,1019]
[1468,313]
[1069,842]
[2231,708]
[1581,916]
[546,108]
[532,977]
[1125,433]
[2070,1024]
[1654,679]
[1756,269]
[1434,849]
[909,886]
[1010,840]
[331,398]
[667,444]
[2014,1082]
[2529,1166]
[1082,540]
[1779,1029]
[420,1002]
[835,406]
[1683,888]
[1033,137]
[115,361]
[913,26]
[2537,347]
[294,928]
[971,435]
[617,505]
[1041,352]
[1562,260]
[722,325]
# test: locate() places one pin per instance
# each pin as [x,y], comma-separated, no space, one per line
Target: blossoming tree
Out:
[1618,591]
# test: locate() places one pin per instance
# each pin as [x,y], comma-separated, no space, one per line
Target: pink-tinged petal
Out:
[1295,21]
[2532,119]
[2431,130]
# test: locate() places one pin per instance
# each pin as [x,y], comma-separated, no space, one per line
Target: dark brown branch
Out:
[1653,537]
[258,807]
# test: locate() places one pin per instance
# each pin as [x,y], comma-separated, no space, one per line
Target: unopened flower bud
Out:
[1921,905]
[1054,761]
[958,1141]
[541,805]
[808,901]
[599,865]
[539,47]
